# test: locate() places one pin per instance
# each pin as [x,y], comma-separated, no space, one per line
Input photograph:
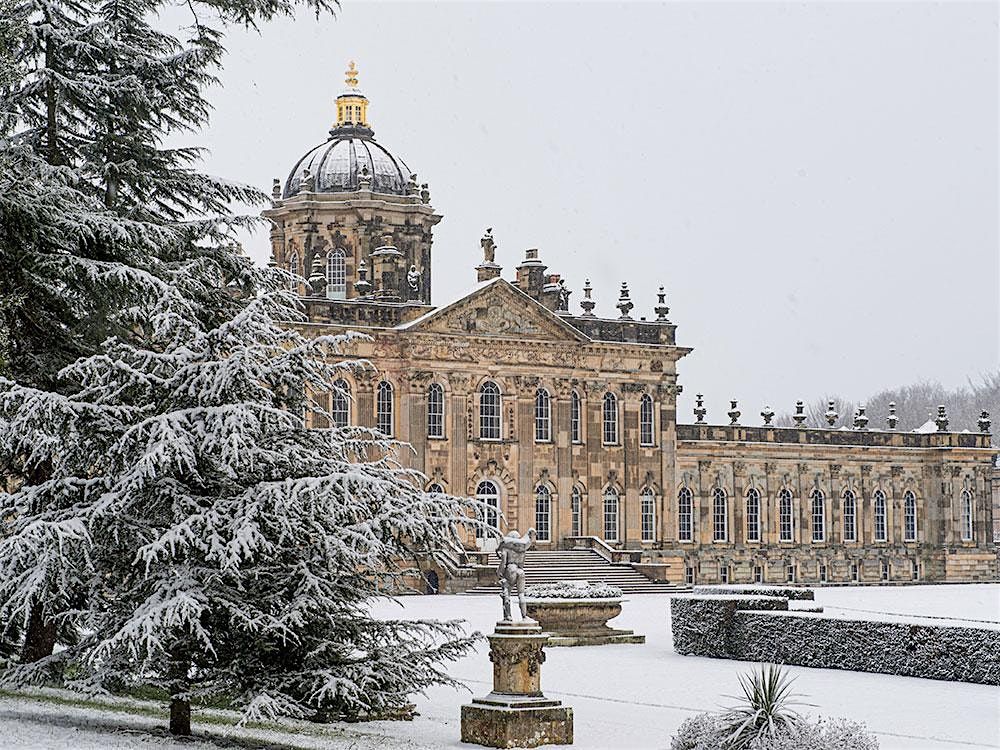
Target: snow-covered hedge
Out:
[703,625]
[737,627]
[939,653]
[707,732]
[572,590]
[789,592]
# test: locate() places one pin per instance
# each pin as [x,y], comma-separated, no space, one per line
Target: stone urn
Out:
[576,613]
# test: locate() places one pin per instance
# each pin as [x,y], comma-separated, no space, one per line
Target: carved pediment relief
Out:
[499,310]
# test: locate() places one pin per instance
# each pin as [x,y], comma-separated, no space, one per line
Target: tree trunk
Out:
[40,637]
[180,716]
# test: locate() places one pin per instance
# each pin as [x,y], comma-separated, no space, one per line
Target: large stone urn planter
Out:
[576,618]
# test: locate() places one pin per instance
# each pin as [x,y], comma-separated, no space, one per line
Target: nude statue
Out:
[510,572]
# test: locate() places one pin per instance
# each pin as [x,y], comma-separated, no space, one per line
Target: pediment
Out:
[500,310]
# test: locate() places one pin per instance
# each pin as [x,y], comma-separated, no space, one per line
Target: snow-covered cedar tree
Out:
[227,551]
[95,209]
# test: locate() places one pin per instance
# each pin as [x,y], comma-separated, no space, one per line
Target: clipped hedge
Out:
[798,593]
[703,625]
[759,628]
[935,652]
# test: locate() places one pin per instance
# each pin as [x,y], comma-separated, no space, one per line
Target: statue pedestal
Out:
[516,714]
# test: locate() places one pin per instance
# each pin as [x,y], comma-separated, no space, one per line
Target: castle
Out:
[567,422]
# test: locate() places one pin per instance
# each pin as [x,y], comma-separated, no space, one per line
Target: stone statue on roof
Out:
[489,246]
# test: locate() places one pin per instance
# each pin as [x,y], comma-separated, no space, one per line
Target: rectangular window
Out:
[855,572]
[684,514]
[758,574]
[790,573]
[610,412]
[689,575]
[435,411]
[543,417]
[724,573]
[785,516]
[916,571]
[648,518]
[646,421]
[822,573]
[575,434]
[885,570]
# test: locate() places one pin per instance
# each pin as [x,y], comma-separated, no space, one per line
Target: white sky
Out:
[815,184]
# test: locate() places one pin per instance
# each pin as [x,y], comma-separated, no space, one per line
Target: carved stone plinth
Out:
[516,713]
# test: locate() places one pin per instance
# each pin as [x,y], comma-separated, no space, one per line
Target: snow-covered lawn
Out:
[627,696]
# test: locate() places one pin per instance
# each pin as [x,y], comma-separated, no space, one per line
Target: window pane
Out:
[719,513]
[646,421]
[435,411]
[753,515]
[610,419]
[909,517]
[489,412]
[968,526]
[879,512]
[340,404]
[383,409]
[818,517]
[611,515]
[488,493]
[336,274]
[785,515]
[648,516]
[684,514]
[575,503]
[543,416]
[543,507]
[574,417]
[850,517]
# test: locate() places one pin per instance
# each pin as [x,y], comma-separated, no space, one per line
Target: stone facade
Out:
[568,422]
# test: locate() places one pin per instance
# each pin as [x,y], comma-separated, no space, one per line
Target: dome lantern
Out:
[352,105]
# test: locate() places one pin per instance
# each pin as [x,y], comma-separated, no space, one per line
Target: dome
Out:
[336,164]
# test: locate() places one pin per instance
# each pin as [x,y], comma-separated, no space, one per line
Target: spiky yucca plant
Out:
[765,710]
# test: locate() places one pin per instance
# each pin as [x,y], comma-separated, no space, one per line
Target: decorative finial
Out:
[860,419]
[413,187]
[661,308]
[276,189]
[734,413]
[942,419]
[984,422]
[699,409]
[352,75]
[363,286]
[799,417]
[767,414]
[892,420]
[425,193]
[831,413]
[587,303]
[624,303]
[364,178]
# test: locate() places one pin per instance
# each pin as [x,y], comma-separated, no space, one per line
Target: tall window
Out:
[818,515]
[611,514]
[909,517]
[543,513]
[543,416]
[968,530]
[293,268]
[648,513]
[685,512]
[719,515]
[610,419]
[435,489]
[435,411]
[383,408]
[850,517]
[575,510]
[340,404]
[753,515]
[575,433]
[785,515]
[489,411]
[878,509]
[646,420]
[336,274]
[488,493]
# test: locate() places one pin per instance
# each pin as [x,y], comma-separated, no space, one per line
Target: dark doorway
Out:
[432,582]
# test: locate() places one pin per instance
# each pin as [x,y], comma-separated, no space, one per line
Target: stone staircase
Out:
[545,566]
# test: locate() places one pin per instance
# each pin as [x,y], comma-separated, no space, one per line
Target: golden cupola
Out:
[352,104]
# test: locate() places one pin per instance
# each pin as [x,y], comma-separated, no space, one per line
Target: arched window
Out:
[435,411]
[489,411]
[648,515]
[575,510]
[785,515]
[646,420]
[487,492]
[383,408]
[543,416]
[611,515]
[435,489]
[336,274]
[720,520]
[543,513]
[575,433]
[909,517]
[968,527]
[293,268]
[818,515]
[878,510]
[340,404]
[685,515]
[753,515]
[850,517]
[610,419]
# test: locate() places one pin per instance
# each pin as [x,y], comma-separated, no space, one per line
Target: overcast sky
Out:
[816,185]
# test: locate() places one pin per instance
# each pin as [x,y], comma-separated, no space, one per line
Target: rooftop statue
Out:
[512,550]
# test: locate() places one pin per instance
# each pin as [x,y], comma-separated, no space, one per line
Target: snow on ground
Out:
[624,696]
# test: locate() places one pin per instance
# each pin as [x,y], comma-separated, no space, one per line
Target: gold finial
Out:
[352,76]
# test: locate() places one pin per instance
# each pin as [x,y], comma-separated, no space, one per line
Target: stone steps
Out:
[543,566]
